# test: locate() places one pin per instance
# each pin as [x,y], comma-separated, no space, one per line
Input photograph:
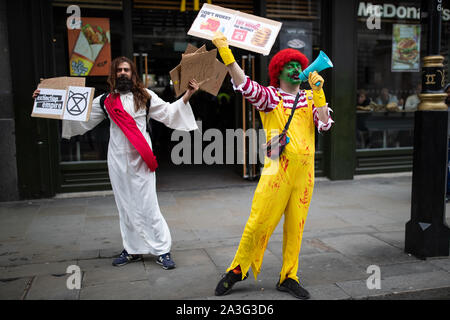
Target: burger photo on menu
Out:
[407,51]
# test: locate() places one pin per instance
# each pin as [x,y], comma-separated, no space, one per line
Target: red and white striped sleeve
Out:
[321,126]
[262,98]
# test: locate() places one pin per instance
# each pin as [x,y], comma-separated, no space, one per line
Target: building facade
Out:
[375,46]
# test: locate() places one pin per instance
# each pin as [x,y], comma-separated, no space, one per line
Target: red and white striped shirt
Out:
[266,99]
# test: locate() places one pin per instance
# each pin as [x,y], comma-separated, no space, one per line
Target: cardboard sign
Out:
[200,65]
[63,98]
[242,30]
[78,104]
[50,103]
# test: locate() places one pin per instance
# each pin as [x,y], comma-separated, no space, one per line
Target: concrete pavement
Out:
[351,226]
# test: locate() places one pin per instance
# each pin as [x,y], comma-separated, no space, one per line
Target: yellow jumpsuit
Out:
[287,190]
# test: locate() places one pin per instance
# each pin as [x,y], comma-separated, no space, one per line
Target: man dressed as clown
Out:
[288,189]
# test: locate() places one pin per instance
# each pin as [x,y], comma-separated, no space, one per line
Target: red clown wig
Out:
[280,59]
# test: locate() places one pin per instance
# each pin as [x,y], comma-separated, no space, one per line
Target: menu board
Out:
[405,48]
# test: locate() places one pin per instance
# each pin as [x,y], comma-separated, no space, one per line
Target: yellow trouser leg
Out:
[295,217]
[269,203]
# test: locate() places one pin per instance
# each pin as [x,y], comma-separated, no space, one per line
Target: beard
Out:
[123,84]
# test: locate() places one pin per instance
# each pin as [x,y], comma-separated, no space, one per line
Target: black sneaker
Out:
[126,258]
[166,261]
[227,282]
[294,288]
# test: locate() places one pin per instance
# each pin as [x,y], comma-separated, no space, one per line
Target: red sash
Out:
[128,126]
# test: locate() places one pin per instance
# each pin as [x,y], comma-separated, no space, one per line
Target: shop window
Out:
[93,145]
[391,45]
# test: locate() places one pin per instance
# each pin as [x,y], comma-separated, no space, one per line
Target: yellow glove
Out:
[221,42]
[318,94]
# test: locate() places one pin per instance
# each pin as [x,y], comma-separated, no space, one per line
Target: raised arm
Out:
[321,112]
[177,115]
[73,128]
[235,71]
[262,98]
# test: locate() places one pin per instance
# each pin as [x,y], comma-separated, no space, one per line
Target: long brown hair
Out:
[140,94]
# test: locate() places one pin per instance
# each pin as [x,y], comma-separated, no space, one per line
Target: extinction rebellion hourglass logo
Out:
[76,103]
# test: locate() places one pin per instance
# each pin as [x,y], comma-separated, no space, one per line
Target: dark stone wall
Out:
[8,165]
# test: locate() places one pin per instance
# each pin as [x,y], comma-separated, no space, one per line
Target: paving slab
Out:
[183,283]
[134,290]
[407,268]
[15,221]
[394,238]
[182,259]
[50,287]
[101,271]
[403,283]
[327,292]
[443,263]
[14,288]
[39,269]
[102,211]
[327,268]
[367,250]
[180,231]
[61,210]
[101,202]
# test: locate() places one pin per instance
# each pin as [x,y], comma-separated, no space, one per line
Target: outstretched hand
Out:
[36,93]
[192,88]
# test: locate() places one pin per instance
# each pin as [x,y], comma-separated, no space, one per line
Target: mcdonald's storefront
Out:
[366,138]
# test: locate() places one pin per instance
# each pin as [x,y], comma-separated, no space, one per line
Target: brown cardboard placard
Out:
[62,82]
[190,49]
[211,84]
[214,83]
[175,76]
[175,73]
[54,91]
[197,66]
[189,52]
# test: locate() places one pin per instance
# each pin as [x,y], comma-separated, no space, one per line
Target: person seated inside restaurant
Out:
[362,100]
[389,101]
[362,132]
[413,100]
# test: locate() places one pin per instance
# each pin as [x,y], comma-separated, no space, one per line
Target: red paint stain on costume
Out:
[262,242]
[284,163]
[276,185]
[301,225]
[309,179]
[304,199]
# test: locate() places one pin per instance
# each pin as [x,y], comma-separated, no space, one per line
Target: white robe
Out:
[143,228]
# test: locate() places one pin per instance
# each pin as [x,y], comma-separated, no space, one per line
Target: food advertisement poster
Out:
[90,48]
[405,48]
[297,35]
[242,30]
